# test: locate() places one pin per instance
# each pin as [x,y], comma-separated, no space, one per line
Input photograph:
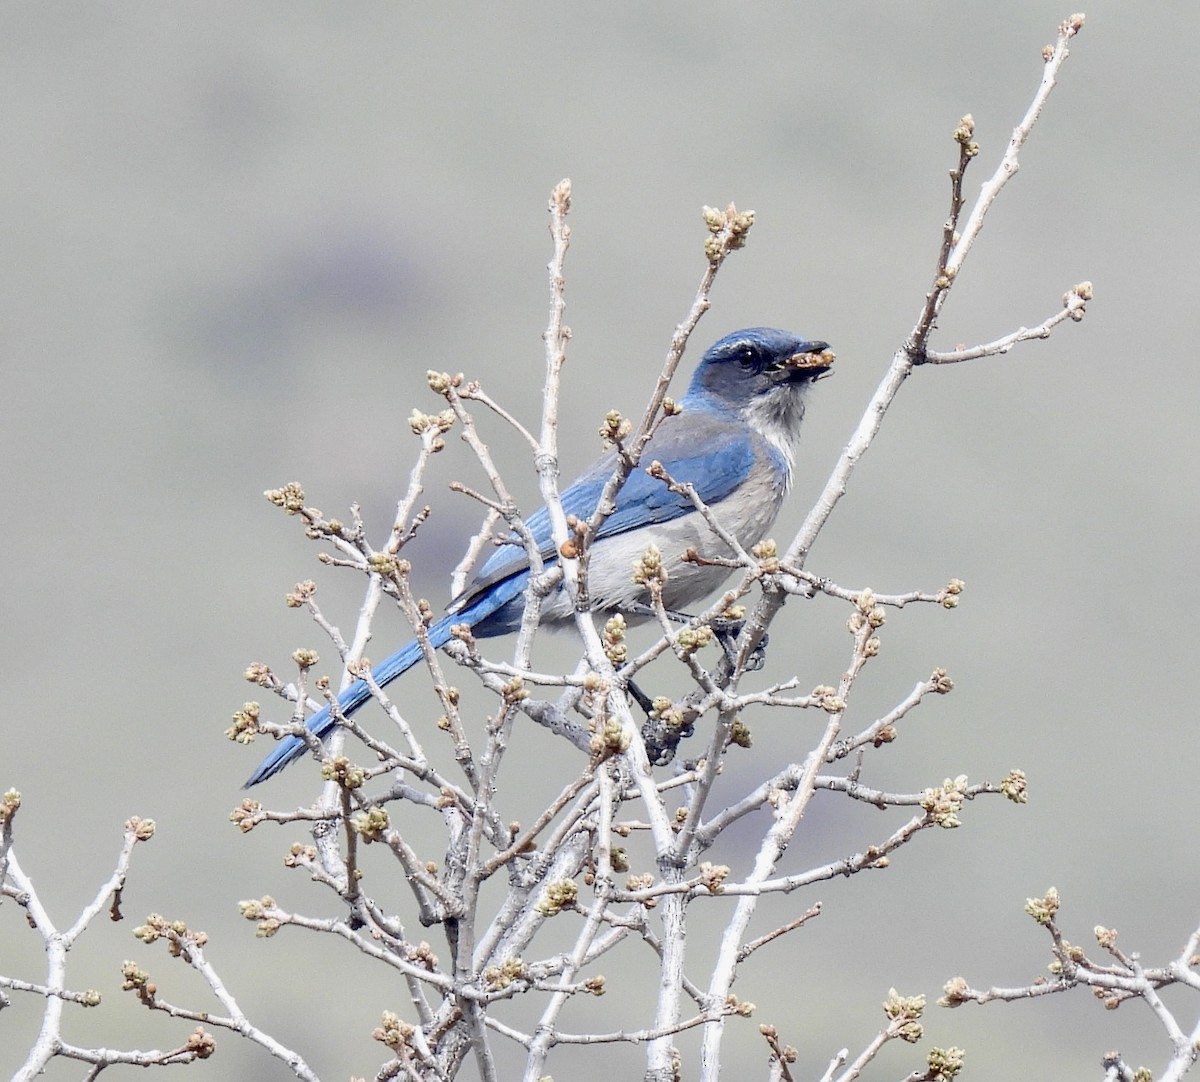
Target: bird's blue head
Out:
[763,375]
[757,361]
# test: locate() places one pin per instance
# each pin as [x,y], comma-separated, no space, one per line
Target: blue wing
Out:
[643,500]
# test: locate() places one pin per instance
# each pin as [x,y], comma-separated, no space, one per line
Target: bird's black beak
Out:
[811,362]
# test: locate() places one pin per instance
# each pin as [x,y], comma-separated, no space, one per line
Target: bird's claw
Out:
[728,632]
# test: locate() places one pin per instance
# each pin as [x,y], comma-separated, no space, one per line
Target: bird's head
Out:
[758,361]
[763,375]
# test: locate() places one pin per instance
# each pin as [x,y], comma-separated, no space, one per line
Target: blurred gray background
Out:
[235,235]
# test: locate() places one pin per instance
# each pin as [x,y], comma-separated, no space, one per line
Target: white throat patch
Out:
[776,416]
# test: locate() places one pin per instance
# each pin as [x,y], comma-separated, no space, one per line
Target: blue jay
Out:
[733,441]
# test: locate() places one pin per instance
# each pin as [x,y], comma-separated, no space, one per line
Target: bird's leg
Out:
[727,632]
[662,735]
[640,697]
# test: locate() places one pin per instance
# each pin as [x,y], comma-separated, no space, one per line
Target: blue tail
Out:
[495,603]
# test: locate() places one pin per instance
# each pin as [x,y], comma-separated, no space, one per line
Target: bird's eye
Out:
[747,359]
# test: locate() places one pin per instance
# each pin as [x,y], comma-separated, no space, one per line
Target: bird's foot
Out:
[728,631]
[663,731]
